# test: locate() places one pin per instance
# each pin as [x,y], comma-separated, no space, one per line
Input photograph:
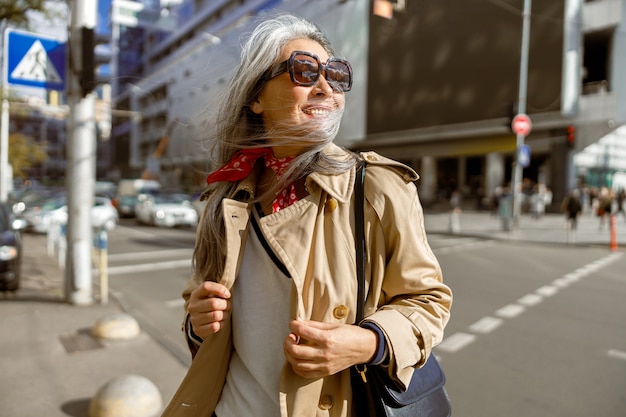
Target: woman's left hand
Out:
[315,349]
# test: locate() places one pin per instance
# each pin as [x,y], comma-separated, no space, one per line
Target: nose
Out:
[322,87]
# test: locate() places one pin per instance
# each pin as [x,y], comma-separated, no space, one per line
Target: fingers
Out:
[211,289]
[316,349]
[209,307]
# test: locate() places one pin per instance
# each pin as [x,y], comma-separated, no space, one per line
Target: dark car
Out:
[125,205]
[10,249]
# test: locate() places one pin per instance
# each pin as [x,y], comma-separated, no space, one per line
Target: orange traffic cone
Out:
[613,232]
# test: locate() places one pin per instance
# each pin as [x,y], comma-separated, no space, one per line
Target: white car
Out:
[54,211]
[168,210]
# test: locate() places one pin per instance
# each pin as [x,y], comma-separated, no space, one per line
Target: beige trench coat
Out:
[406,296]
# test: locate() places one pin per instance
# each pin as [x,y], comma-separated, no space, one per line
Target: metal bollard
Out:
[62,246]
[52,238]
[103,262]
[613,228]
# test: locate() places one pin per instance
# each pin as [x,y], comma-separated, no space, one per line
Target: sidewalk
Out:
[52,367]
[548,229]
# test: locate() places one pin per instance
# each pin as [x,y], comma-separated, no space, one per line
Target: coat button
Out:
[371,158]
[331,205]
[326,402]
[340,312]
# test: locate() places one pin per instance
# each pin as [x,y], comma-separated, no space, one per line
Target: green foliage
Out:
[18,13]
[24,153]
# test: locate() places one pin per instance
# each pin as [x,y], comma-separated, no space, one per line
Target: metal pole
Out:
[4,127]
[81,167]
[521,109]
[103,265]
[4,148]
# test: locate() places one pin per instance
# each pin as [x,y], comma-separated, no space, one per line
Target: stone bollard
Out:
[127,396]
[116,326]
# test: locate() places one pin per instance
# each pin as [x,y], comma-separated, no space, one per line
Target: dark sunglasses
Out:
[305,69]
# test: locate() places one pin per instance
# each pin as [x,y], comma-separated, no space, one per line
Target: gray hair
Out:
[236,127]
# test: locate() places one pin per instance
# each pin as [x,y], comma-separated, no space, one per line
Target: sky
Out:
[58,30]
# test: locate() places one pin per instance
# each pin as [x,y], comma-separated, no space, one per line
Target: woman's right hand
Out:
[209,306]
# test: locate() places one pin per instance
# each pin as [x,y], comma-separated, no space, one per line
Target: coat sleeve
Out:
[412,304]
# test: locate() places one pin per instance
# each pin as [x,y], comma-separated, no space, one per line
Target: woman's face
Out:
[283,104]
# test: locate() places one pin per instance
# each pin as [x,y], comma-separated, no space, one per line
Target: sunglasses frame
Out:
[288,66]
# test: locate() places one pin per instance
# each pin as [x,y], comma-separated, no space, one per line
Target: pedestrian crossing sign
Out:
[34,60]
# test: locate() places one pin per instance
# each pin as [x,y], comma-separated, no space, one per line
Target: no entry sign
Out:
[521,124]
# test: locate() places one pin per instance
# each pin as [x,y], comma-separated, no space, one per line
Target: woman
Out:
[271,303]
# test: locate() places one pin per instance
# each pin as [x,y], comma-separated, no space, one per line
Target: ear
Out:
[256,107]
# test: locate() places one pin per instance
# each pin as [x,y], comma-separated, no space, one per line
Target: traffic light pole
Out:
[521,109]
[81,166]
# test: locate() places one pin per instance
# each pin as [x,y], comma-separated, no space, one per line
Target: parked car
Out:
[10,249]
[40,218]
[168,210]
[125,205]
[30,197]
[131,192]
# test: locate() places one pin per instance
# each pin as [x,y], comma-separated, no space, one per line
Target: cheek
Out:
[341,100]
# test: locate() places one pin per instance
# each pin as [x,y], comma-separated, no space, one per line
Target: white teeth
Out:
[318,112]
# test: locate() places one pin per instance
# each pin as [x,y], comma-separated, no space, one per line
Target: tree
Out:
[18,13]
[24,153]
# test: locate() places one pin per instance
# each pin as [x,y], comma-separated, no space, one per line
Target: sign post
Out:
[35,61]
[521,124]
[29,60]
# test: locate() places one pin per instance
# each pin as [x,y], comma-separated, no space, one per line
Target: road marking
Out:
[617,354]
[530,300]
[547,291]
[128,269]
[561,282]
[486,325]
[510,311]
[454,247]
[456,342]
[572,277]
[150,254]
[176,303]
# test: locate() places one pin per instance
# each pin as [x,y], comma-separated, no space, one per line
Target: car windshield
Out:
[170,198]
[53,204]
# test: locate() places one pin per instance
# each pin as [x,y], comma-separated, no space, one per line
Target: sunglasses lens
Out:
[339,75]
[306,70]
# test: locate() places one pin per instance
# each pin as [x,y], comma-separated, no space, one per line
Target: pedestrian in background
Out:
[572,208]
[271,304]
[621,195]
[605,206]
[456,200]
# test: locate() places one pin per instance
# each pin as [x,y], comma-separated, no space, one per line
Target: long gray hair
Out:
[235,127]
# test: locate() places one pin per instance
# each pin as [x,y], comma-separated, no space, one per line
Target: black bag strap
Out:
[359,237]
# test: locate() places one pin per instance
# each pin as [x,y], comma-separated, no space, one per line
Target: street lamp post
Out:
[80,169]
[521,109]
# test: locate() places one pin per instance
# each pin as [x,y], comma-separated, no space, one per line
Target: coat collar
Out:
[338,186]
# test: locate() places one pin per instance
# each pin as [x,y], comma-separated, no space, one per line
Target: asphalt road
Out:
[536,329]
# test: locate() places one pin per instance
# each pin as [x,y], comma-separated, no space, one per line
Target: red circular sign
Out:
[521,124]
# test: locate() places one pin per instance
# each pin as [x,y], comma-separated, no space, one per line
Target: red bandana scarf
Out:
[242,163]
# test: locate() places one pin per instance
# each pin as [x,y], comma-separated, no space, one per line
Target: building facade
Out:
[436,86]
